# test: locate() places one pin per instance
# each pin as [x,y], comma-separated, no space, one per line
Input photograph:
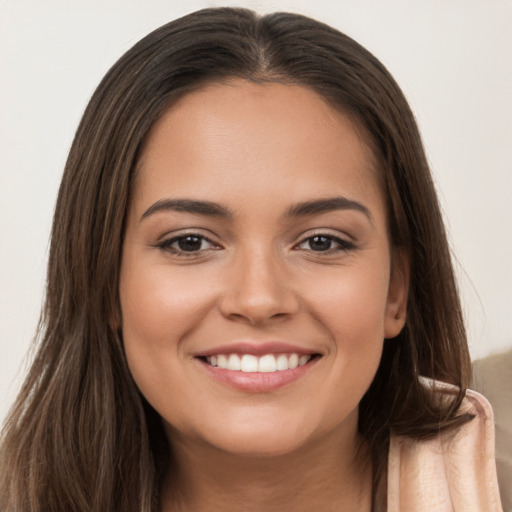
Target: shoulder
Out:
[454,471]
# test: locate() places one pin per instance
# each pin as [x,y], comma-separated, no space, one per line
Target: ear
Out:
[396,306]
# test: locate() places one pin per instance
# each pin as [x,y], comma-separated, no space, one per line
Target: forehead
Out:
[242,137]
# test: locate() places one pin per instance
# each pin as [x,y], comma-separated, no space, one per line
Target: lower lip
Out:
[257,382]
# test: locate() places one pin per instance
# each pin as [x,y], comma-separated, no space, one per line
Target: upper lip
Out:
[257,349]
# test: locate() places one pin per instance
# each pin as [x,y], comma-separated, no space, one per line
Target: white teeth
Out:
[267,363]
[249,363]
[264,364]
[233,362]
[303,360]
[282,362]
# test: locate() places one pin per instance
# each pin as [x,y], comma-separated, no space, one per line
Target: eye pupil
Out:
[190,243]
[320,243]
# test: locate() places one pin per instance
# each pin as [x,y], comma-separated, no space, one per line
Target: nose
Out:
[258,289]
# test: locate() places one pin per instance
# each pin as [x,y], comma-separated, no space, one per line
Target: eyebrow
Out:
[189,206]
[327,205]
[212,209]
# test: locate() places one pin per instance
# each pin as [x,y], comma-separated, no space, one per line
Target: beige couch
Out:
[492,377]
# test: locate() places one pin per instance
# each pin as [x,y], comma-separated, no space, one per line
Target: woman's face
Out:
[256,286]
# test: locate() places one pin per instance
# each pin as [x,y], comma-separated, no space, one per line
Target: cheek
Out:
[352,312]
[352,304]
[160,310]
[159,306]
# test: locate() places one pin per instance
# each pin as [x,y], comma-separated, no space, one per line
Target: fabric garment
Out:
[453,472]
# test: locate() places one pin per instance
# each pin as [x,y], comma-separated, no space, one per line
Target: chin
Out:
[259,445]
[263,437]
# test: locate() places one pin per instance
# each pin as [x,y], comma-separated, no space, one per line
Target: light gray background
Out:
[453,59]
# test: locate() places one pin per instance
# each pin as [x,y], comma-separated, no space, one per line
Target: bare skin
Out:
[257,228]
[314,476]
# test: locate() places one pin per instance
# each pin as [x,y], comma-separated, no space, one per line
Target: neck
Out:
[327,474]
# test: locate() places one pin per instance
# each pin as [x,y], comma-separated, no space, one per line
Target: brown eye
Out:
[320,243]
[187,244]
[325,243]
[190,243]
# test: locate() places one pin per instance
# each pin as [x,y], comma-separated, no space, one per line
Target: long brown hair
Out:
[80,436]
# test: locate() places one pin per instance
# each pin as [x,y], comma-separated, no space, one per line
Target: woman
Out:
[248,280]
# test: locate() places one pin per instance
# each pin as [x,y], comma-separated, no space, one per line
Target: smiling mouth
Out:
[266,363]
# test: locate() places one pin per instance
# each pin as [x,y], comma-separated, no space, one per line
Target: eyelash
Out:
[167,245]
[343,245]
